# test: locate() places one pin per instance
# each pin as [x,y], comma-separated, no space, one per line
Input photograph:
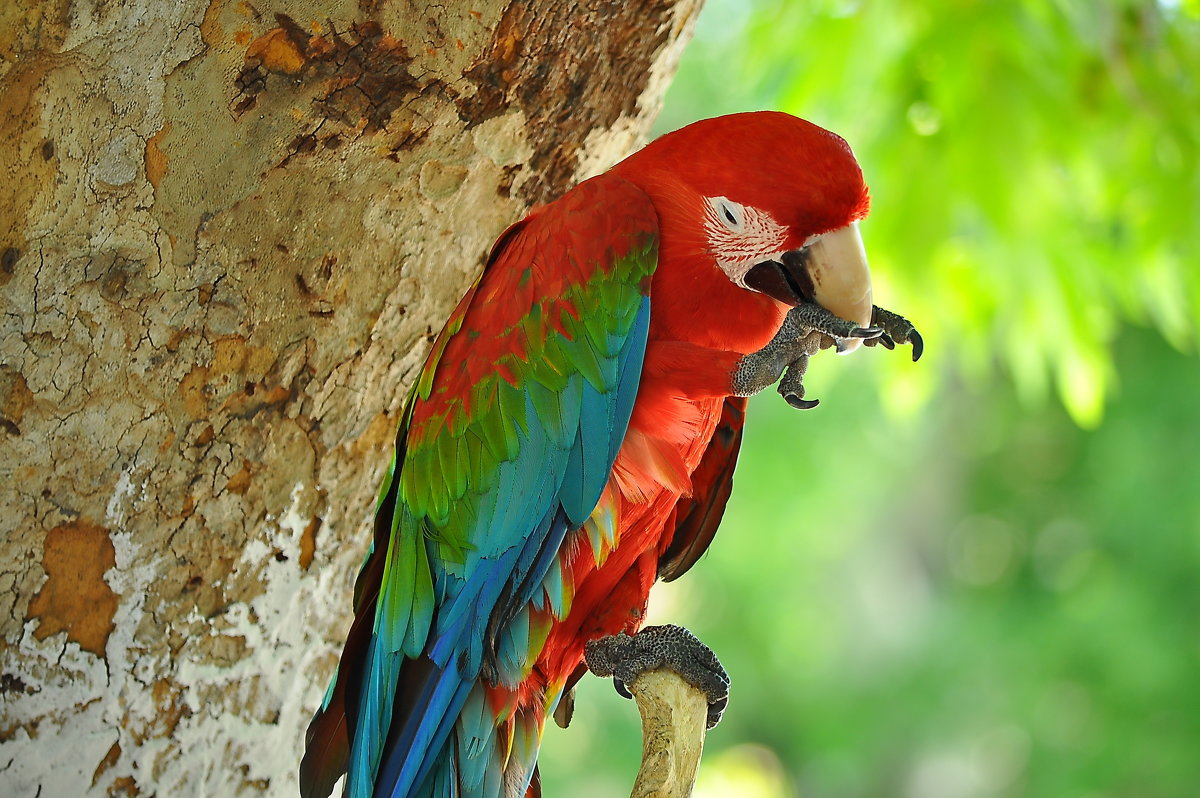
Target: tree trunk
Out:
[229,231]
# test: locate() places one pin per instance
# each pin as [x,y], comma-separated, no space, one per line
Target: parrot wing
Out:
[510,436]
[697,516]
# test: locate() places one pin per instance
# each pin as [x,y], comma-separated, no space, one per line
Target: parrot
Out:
[571,439]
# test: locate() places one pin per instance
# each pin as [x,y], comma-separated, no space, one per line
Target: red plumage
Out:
[674,471]
[717,197]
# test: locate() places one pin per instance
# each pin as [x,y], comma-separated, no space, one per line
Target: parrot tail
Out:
[456,746]
[327,742]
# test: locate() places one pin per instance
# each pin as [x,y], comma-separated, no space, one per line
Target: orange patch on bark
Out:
[254,398]
[206,436]
[75,598]
[124,786]
[232,355]
[308,542]
[193,390]
[211,31]
[15,399]
[234,363]
[239,482]
[378,434]
[110,759]
[277,52]
[156,159]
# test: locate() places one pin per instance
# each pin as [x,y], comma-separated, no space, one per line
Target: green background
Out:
[976,575]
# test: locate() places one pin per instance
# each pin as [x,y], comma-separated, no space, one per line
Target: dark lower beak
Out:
[831,272]
[787,279]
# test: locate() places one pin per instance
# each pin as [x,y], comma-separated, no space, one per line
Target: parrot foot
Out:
[896,330]
[625,658]
[810,317]
[794,343]
[807,329]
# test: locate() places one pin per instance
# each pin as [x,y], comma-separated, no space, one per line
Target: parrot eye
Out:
[730,213]
[740,236]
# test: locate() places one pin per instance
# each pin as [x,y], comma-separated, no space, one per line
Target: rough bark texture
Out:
[228,231]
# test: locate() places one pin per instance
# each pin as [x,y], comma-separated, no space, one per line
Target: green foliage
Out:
[938,584]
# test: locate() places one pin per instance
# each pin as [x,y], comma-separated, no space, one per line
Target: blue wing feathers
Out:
[512,647]
[633,354]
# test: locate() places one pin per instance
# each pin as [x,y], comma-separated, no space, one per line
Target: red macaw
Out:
[572,438]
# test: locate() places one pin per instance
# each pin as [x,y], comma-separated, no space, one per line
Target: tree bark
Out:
[230,232]
[674,716]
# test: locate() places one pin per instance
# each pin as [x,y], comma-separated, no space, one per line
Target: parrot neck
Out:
[692,300]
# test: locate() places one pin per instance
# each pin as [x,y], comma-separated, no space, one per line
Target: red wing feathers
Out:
[697,516]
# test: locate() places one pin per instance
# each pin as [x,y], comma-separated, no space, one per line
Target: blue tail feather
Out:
[418,743]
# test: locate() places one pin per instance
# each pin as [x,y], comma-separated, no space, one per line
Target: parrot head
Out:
[778,200]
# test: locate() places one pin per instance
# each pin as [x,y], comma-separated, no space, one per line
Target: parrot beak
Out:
[837,266]
[832,272]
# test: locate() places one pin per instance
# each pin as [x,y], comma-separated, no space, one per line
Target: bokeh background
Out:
[977,575]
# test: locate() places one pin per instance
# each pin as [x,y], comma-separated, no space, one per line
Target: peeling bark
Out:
[230,233]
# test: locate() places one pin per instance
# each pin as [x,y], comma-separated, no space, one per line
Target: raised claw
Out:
[800,404]
[807,316]
[899,329]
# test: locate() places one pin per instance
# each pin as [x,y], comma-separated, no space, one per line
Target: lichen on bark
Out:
[210,310]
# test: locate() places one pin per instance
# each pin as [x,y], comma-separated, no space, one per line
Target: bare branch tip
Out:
[674,717]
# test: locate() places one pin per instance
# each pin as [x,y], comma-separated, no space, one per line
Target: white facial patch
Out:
[739,236]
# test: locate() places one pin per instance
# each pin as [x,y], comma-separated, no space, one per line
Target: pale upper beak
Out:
[832,272]
[841,279]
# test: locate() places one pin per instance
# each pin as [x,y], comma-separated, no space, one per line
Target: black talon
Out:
[884,340]
[918,344]
[621,689]
[801,404]
[715,710]
[866,332]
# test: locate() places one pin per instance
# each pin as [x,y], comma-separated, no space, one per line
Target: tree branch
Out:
[673,725]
